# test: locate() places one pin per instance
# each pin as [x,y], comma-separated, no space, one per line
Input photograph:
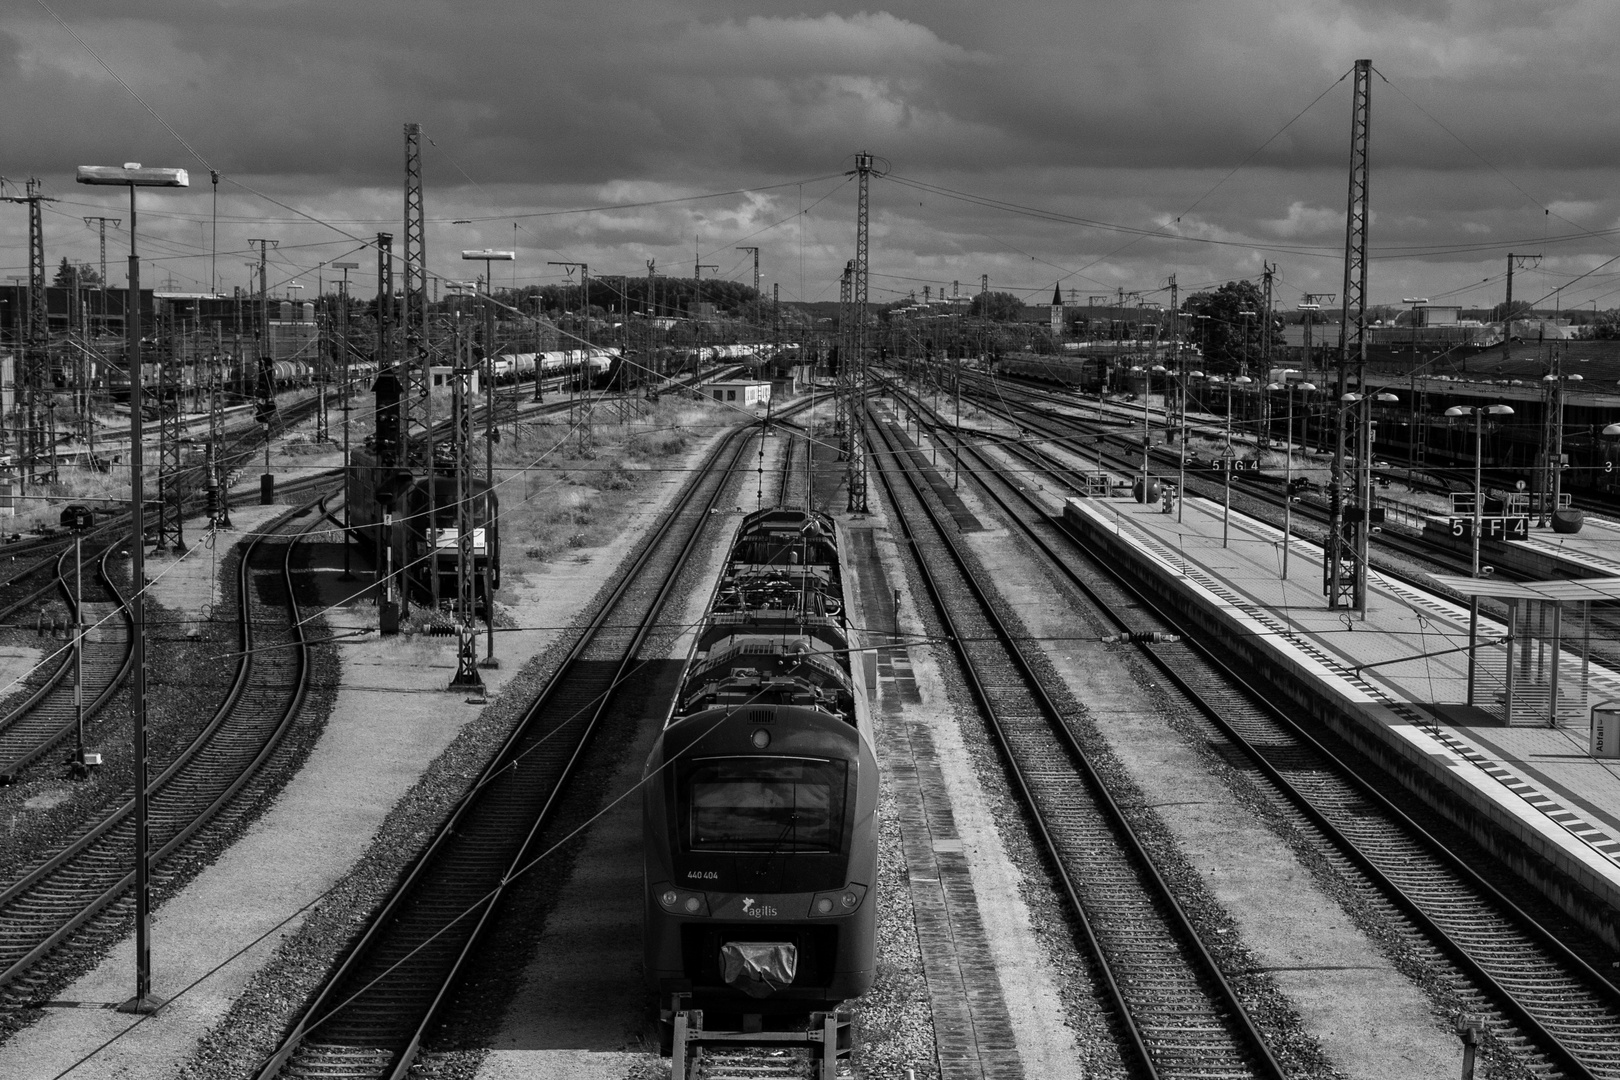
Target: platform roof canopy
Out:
[1558,591]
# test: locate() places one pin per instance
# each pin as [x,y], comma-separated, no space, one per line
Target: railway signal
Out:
[76,517]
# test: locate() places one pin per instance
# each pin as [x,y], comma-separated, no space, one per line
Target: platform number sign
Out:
[1492,528]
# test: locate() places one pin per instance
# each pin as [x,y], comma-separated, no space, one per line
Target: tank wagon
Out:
[760,802]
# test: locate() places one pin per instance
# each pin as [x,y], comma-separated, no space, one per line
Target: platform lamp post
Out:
[132,175]
[1556,383]
[1413,302]
[344,406]
[491,433]
[1181,465]
[1364,483]
[1479,413]
[1288,459]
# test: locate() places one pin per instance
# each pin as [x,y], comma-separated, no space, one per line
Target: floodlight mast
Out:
[133,175]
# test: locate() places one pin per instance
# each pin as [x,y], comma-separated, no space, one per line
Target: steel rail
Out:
[1606,996]
[86,877]
[46,718]
[394,1044]
[1247,1038]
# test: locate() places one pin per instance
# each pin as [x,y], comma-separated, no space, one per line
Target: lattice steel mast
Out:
[842,393]
[1345,573]
[416,419]
[855,461]
[33,378]
[170,464]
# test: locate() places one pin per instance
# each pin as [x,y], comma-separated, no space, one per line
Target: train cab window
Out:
[765,805]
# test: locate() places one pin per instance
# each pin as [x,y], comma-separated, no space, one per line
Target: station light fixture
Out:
[132,174]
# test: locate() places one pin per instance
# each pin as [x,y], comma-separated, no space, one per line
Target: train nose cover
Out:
[758,968]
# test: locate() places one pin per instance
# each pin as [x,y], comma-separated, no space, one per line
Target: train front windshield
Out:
[765,805]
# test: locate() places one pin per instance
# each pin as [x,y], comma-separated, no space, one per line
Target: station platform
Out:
[1395,684]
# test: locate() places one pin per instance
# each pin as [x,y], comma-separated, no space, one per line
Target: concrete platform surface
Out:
[1536,778]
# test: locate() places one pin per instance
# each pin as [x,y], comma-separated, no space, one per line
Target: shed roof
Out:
[1562,590]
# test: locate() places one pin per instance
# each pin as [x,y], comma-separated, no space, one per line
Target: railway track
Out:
[1072,434]
[376,1009]
[1178,1014]
[79,893]
[1541,999]
[48,716]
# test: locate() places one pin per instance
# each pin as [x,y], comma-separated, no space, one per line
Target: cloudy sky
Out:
[1106,144]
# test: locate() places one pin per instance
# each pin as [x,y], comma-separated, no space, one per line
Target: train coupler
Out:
[1142,637]
[829,1037]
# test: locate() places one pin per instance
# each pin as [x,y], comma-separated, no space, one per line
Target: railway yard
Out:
[1146,806]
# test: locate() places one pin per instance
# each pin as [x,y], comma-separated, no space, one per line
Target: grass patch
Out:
[559,499]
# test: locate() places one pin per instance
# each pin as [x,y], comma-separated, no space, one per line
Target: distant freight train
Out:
[760,798]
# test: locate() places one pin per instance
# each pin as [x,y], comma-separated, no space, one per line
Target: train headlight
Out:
[762,738]
[829,905]
[681,901]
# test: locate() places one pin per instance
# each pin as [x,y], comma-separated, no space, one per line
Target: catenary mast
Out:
[1346,555]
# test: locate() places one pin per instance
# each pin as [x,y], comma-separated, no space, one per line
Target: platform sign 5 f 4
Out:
[1492,528]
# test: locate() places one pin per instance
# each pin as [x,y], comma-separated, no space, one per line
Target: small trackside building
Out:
[746,393]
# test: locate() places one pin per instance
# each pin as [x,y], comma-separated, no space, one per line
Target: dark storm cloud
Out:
[1125,112]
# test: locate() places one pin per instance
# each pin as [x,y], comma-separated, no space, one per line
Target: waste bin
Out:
[1146,491]
[1604,741]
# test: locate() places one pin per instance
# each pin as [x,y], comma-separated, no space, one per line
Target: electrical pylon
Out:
[1345,573]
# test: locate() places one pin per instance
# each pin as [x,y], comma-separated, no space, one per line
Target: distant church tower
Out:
[1057,310]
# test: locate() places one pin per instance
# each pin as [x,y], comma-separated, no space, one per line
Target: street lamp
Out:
[1288,458]
[1479,412]
[488,256]
[132,175]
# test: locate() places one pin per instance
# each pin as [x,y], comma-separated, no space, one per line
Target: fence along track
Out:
[1537,992]
[1178,1012]
[372,1014]
[45,907]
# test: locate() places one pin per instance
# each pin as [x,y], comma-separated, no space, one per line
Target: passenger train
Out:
[760,796]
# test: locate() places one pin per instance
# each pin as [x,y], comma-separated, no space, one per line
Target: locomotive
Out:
[760,797]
